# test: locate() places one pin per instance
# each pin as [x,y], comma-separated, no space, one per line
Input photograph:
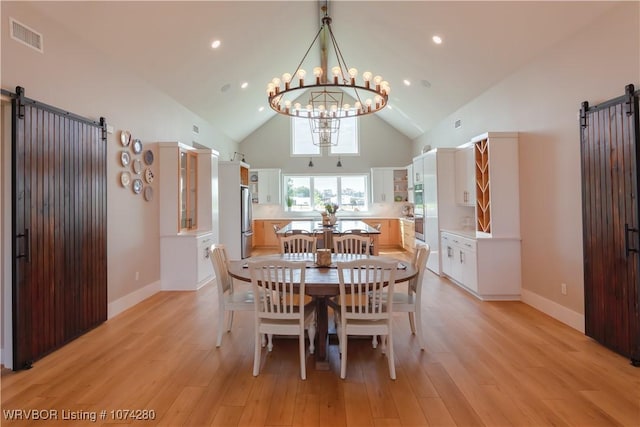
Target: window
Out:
[302,143]
[311,193]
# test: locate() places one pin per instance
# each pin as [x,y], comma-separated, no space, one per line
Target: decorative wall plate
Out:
[148,175]
[125,158]
[137,186]
[137,167]
[254,177]
[148,157]
[148,193]
[137,146]
[125,137]
[125,178]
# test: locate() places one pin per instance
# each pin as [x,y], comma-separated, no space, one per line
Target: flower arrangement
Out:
[331,208]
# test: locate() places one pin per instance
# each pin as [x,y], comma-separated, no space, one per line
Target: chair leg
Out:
[339,333]
[418,320]
[270,342]
[374,341]
[383,344]
[303,367]
[230,321]
[256,353]
[220,327]
[390,356]
[412,322]
[312,337]
[343,357]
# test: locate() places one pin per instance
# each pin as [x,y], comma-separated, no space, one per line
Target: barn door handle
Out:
[27,245]
[626,239]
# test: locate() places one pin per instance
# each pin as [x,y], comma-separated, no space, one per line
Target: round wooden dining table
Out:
[321,283]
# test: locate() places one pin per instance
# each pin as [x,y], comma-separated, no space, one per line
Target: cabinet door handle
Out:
[461,257]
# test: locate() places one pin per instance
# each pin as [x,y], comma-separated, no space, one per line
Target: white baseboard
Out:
[555,310]
[121,304]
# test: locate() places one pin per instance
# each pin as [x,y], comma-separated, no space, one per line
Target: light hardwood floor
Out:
[486,363]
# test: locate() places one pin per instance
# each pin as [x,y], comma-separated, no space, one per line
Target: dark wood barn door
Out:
[609,147]
[59,224]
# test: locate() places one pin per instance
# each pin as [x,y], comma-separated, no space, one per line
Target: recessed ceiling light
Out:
[215,44]
[425,83]
[244,85]
[261,109]
[437,39]
[225,87]
[406,82]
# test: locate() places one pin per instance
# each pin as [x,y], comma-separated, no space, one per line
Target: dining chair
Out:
[298,244]
[410,301]
[363,283]
[229,299]
[283,310]
[351,243]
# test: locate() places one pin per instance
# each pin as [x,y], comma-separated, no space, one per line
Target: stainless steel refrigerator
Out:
[245,222]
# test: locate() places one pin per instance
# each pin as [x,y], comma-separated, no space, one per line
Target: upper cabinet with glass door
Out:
[188,195]
[187,201]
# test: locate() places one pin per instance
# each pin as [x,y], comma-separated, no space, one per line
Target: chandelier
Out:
[325,106]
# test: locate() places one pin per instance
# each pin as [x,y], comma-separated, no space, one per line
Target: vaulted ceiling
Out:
[168,44]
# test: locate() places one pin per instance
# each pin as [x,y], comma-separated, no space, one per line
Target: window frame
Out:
[366,207]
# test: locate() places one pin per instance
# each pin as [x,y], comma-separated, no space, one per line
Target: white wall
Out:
[541,101]
[76,78]
[380,145]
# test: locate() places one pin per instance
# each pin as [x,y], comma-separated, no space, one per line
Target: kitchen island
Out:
[326,233]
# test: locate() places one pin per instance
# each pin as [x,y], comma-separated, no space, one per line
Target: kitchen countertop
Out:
[319,218]
[469,234]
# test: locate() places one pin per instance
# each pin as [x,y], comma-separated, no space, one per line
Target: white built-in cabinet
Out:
[417,170]
[188,198]
[459,259]
[265,185]
[409,169]
[486,260]
[389,185]
[465,175]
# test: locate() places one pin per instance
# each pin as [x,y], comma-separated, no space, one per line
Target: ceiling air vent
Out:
[196,129]
[26,35]
[457,124]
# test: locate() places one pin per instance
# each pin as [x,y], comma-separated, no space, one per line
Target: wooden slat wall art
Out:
[610,226]
[483,199]
[60,229]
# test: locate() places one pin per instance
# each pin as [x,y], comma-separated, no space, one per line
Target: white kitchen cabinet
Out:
[187,213]
[459,259]
[417,171]
[389,185]
[465,175]
[497,185]
[410,183]
[186,263]
[265,185]
[486,261]
[489,268]
[382,185]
